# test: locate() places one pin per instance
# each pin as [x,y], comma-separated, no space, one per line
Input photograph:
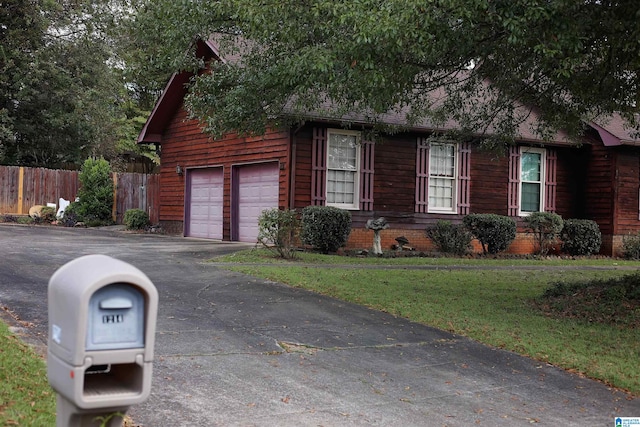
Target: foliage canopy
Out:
[63,91]
[435,61]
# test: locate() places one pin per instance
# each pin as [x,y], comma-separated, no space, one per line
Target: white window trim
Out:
[356,185]
[454,206]
[543,177]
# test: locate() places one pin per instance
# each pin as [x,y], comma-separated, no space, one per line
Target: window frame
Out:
[356,181]
[541,181]
[453,210]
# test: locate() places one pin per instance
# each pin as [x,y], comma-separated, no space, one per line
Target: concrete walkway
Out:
[235,350]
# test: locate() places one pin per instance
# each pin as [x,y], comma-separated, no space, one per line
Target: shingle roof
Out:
[616,131]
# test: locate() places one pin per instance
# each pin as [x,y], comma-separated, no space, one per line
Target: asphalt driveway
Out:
[235,350]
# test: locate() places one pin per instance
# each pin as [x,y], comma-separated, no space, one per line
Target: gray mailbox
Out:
[116,318]
[102,316]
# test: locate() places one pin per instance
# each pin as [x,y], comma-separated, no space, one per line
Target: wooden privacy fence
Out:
[21,188]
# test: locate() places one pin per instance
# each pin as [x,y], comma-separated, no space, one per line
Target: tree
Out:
[21,35]
[466,60]
[63,88]
[96,192]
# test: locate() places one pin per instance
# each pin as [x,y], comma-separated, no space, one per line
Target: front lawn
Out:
[492,301]
[26,399]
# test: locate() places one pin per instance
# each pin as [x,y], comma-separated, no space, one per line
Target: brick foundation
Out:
[361,238]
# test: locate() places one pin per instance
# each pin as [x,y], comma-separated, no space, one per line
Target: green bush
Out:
[494,232]
[47,215]
[546,228]
[326,228]
[581,237]
[631,246]
[96,192]
[450,238]
[25,220]
[70,217]
[278,231]
[135,219]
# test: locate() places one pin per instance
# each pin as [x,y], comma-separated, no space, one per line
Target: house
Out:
[216,189]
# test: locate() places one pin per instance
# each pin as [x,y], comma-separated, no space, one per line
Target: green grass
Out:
[492,304]
[26,399]
[262,256]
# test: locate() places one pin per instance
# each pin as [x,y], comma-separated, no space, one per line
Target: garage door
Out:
[205,203]
[257,191]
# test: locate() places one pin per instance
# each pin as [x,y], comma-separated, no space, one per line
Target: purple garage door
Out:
[205,203]
[257,191]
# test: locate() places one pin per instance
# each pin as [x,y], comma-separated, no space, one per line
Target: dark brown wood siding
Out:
[394,177]
[489,181]
[627,178]
[184,144]
[303,140]
[395,181]
[599,186]
[395,174]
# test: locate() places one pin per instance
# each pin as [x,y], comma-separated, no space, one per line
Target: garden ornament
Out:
[376,225]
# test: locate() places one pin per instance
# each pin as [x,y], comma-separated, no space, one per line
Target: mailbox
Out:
[102,316]
[116,318]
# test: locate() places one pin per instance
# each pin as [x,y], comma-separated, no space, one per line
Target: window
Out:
[442,178]
[343,168]
[532,180]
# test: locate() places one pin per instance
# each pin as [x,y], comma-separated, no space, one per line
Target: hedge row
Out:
[496,232]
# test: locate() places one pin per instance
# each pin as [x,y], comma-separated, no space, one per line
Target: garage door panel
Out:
[205,203]
[258,189]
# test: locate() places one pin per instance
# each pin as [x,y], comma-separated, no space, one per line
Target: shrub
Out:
[609,301]
[96,192]
[450,238]
[70,217]
[494,232]
[47,215]
[135,219]
[631,246]
[25,220]
[9,218]
[581,237]
[546,228]
[278,230]
[326,228]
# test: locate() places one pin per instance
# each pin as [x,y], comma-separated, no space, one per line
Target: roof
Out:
[172,97]
[616,131]
[525,130]
[174,92]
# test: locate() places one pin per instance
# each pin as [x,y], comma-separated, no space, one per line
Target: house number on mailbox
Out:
[113,318]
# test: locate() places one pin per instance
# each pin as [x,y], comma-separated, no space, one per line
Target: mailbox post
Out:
[102,317]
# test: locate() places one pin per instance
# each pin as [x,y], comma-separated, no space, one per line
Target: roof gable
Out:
[616,131]
[172,96]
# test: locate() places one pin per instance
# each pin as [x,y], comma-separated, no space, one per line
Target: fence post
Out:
[20,189]
[114,209]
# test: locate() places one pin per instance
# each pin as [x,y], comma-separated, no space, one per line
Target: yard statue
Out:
[63,205]
[376,225]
